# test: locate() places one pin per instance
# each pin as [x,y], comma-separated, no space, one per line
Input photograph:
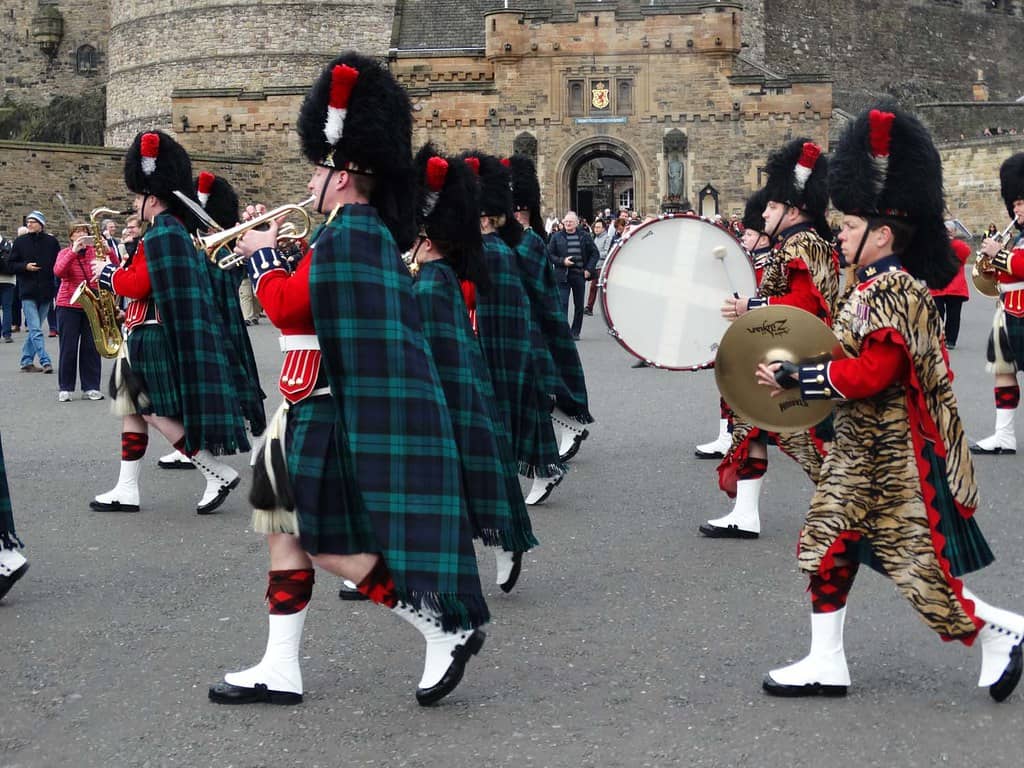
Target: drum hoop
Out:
[602,281]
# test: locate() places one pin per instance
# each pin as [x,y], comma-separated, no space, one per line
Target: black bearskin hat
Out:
[219,199]
[526,190]
[753,213]
[448,212]
[157,165]
[798,176]
[886,166]
[358,118]
[1011,180]
[495,185]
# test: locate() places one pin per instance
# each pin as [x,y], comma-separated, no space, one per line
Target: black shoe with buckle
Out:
[226,693]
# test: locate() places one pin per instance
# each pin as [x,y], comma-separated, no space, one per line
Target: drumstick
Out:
[719,252]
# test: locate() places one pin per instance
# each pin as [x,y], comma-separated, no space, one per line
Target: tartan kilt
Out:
[8,538]
[151,360]
[331,519]
[1014,339]
[505,321]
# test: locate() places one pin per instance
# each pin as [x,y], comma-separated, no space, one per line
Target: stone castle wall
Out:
[971,175]
[211,44]
[88,177]
[27,74]
[916,50]
[681,70]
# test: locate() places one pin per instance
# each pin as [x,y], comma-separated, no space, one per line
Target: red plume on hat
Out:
[506,162]
[150,148]
[436,173]
[343,78]
[474,165]
[879,137]
[805,165]
[204,186]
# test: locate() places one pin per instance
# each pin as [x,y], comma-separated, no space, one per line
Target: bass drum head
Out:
[664,284]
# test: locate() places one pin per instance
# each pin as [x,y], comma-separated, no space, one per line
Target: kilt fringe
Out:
[271,496]
[573,411]
[457,611]
[515,539]
[10,540]
[553,469]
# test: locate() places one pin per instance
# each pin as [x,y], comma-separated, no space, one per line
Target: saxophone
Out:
[99,306]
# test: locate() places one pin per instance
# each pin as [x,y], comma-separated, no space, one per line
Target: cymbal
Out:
[766,335]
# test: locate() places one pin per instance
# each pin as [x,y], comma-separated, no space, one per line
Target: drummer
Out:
[758,245]
[801,272]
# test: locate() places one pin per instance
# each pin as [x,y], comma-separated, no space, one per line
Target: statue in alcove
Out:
[675,177]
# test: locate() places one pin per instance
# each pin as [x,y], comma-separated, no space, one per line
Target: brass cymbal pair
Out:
[768,335]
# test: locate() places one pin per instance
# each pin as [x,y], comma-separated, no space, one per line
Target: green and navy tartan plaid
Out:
[185,298]
[241,360]
[8,538]
[557,359]
[391,412]
[330,513]
[149,352]
[504,319]
[493,497]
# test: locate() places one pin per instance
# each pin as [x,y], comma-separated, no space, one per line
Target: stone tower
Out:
[160,46]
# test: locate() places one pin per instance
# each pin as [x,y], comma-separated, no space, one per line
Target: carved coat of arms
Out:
[600,95]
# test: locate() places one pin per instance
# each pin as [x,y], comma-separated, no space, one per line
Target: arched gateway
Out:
[570,193]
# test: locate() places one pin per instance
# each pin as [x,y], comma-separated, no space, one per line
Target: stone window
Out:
[576,103]
[86,60]
[624,97]
[626,199]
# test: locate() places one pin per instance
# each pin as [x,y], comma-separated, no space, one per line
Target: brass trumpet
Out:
[289,232]
[982,273]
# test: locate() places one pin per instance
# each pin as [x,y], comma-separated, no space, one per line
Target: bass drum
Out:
[664,283]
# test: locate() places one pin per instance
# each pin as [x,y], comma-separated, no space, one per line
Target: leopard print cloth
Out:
[871,483]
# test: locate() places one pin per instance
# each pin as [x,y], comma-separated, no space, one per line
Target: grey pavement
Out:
[630,640]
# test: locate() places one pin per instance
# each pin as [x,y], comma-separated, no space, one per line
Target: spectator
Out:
[993,230]
[7,288]
[574,257]
[603,241]
[76,349]
[16,303]
[32,259]
[131,235]
[950,299]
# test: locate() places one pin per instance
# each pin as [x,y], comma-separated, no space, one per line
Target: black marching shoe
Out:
[6,582]
[453,675]
[726,532]
[349,591]
[226,693]
[509,583]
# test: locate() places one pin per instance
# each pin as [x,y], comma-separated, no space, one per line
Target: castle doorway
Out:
[598,174]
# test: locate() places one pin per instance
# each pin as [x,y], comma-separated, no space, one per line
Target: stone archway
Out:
[595,148]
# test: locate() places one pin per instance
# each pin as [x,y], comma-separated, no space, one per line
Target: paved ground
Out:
[631,641]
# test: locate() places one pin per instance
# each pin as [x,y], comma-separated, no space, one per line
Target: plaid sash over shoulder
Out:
[558,360]
[392,413]
[493,496]
[185,299]
[238,347]
[503,316]
[8,538]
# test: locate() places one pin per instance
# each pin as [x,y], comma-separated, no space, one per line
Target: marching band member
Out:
[13,564]
[897,488]
[802,272]
[557,357]
[176,375]
[505,323]
[220,201]
[758,245]
[1006,341]
[449,248]
[372,470]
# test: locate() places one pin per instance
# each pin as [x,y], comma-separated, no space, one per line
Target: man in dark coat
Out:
[574,256]
[32,259]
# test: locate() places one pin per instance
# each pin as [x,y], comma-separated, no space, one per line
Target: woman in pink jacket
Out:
[77,350]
